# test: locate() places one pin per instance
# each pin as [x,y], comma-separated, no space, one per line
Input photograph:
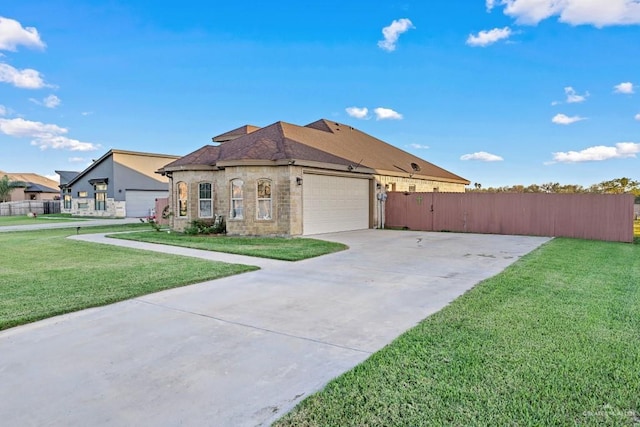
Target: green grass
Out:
[43,274]
[287,249]
[25,220]
[553,340]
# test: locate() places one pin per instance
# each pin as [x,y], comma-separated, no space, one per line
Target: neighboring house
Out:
[291,180]
[118,184]
[36,187]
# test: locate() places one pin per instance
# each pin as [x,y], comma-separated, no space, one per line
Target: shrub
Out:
[153,223]
[207,226]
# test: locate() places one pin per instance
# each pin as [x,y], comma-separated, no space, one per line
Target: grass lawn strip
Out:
[280,248]
[45,274]
[25,220]
[553,340]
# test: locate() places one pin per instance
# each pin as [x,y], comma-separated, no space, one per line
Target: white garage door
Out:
[334,203]
[141,203]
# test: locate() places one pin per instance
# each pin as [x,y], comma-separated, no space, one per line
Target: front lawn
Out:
[25,220]
[553,340]
[287,249]
[44,274]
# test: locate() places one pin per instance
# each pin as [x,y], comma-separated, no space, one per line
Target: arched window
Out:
[182,199]
[205,200]
[237,206]
[264,199]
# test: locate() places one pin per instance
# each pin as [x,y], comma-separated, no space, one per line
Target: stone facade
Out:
[286,199]
[395,183]
[86,207]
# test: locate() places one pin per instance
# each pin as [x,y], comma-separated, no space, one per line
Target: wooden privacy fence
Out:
[161,204]
[24,207]
[586,216]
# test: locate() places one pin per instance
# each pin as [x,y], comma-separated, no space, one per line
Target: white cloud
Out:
[482,156]
[419,146]
[44,135]
[485,38]
[55,177]
[26,79]
[392,32]
[51,101]
[637,117]
[87,113]
[12,35]
[599,13]
[563,119]
[76,159]
[387,114]
[3,110]
[625,88]
[573,97]
[358,113]
[598,153]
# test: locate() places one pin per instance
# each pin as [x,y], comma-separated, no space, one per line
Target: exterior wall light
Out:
[299,181]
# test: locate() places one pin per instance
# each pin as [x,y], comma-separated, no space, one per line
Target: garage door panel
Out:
[333,203]
[140,203]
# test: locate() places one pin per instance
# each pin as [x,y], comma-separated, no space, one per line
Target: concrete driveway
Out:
[243,350]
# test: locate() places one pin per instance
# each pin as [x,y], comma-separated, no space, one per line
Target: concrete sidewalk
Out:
[243,350]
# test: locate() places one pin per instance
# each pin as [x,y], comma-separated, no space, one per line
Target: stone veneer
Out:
[285,192]
[86,207]
[421,185]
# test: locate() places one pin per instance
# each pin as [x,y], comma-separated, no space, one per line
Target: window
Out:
[182,199]
[264,199]
[237,208]
[100,187]
[205,200]
[101,201]
[82,194]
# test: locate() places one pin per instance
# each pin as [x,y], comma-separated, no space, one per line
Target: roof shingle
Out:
[322,141]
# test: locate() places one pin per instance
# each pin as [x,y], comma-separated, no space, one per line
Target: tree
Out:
[618,186]
[6,186]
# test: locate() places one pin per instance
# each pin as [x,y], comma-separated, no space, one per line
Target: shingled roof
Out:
[323,141]
[34,183]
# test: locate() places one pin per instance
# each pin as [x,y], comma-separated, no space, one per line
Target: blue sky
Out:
[501,92]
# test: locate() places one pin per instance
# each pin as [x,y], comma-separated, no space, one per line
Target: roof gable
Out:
[235,133]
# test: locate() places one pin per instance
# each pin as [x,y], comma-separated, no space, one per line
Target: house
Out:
[292,180]
[32,187]
[118,184]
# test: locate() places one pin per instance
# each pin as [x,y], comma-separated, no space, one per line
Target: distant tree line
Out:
[614,186]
